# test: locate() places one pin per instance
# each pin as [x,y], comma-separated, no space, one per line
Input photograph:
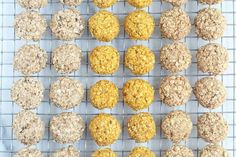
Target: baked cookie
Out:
[140,3]
[71,3]
[213,150]
[32,4]
[141,152]
[178,151]
[210,2]
[70,151]
[104,3]
[28,152]
[104,152]
[176,2]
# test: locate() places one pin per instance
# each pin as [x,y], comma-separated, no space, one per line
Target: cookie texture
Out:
[176,2]
[213,150]
[67,58]
[70,151]
[177,126]
[30,59]
[139,59]
[66,93]
[71,3]
[67,127]
[27,93]
[212,127]
[104,152]
[210,24]
[104,3]
[32,4]
[67,24]
[30,25]
[141,127]
[138,94]
[178,151]
[104,129]
[141,152]
[104,26]
[104,94]
[212,59]
[28,152]
[175,57]
[28,128]
[139,25]
[175,90]
[104,60]
[174,24]
[210,2]
[140,3]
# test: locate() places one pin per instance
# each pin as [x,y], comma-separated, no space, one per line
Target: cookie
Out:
[210,2]
[139,25]
[140,3]
[32,4]
[213,150]
[71,3]
[141,152]
[70,151]
[104,4]
[103,152]
[178,151]
[28,151]
[176,2]
[139,59]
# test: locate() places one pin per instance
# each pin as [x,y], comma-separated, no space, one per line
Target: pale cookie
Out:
[210,2]
[141,152]
[66,93]
[138,94]
[28,128]
[71,3]
[177,126]
[28,152]
[175,90]
[174,24]
[104,152]
[27,93]
[139,25]
[104,129]
[140,3]
[210,24]
[32,4]
[104,26]
[213,150]
[104,3]
[139,59]
[104,94]
[212,127]
[67,127]
[70,151]
[175,57]
[210,92]
[212,58]
[180,151]
[67,24]
[66,58]
[30,59]
[104,60]
[176,2]
[30,25]
[141,127]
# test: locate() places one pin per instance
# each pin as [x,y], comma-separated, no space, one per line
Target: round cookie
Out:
[176,2]
[141,152]
[30,25]
[139,59]
[140,3]
[141,127]
[67,127]
[175,90]
[71,3]
[175,57]
[139,25]
[104,26]
[212,127]
[28,128]
[27,93]
[104,152]
[210,92]
[66,58]
[32,4]
[210,24]
[138,94]
[66,93]
[210,2]
[213,150]
[67,24]
[28,152]
[104,60]
[30,59]
[104,94]
[70,151]
[104,4]
[104,129]
[212,58]
[177,126]
[174,24]
[178,151]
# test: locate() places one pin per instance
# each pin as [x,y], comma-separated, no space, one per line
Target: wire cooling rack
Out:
[9,43]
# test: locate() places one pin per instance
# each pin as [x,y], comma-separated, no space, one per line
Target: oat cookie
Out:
[104,26]
[141,152]
[138,94]
[104,60]
[210,24]
[104,129]
[104,152]
[32,4]
[30,25]
[139,25]
[175,24]
[104,3]
[67,127]
[210,2]
[70,151]
[66,58]
[210,92]
[104,94]
[30,59]
[28,152]
[140,3]
[141,127]
[177,126]
[175,90]
[213,150]
[139,59]
[66,93]
[175,57]
[71,3]
[212,127]
[176,2]
[212,58]
[180,151]
[67,24]
[27,93]
[28,128]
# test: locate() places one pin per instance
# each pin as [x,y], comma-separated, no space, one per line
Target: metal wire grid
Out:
[10,43]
